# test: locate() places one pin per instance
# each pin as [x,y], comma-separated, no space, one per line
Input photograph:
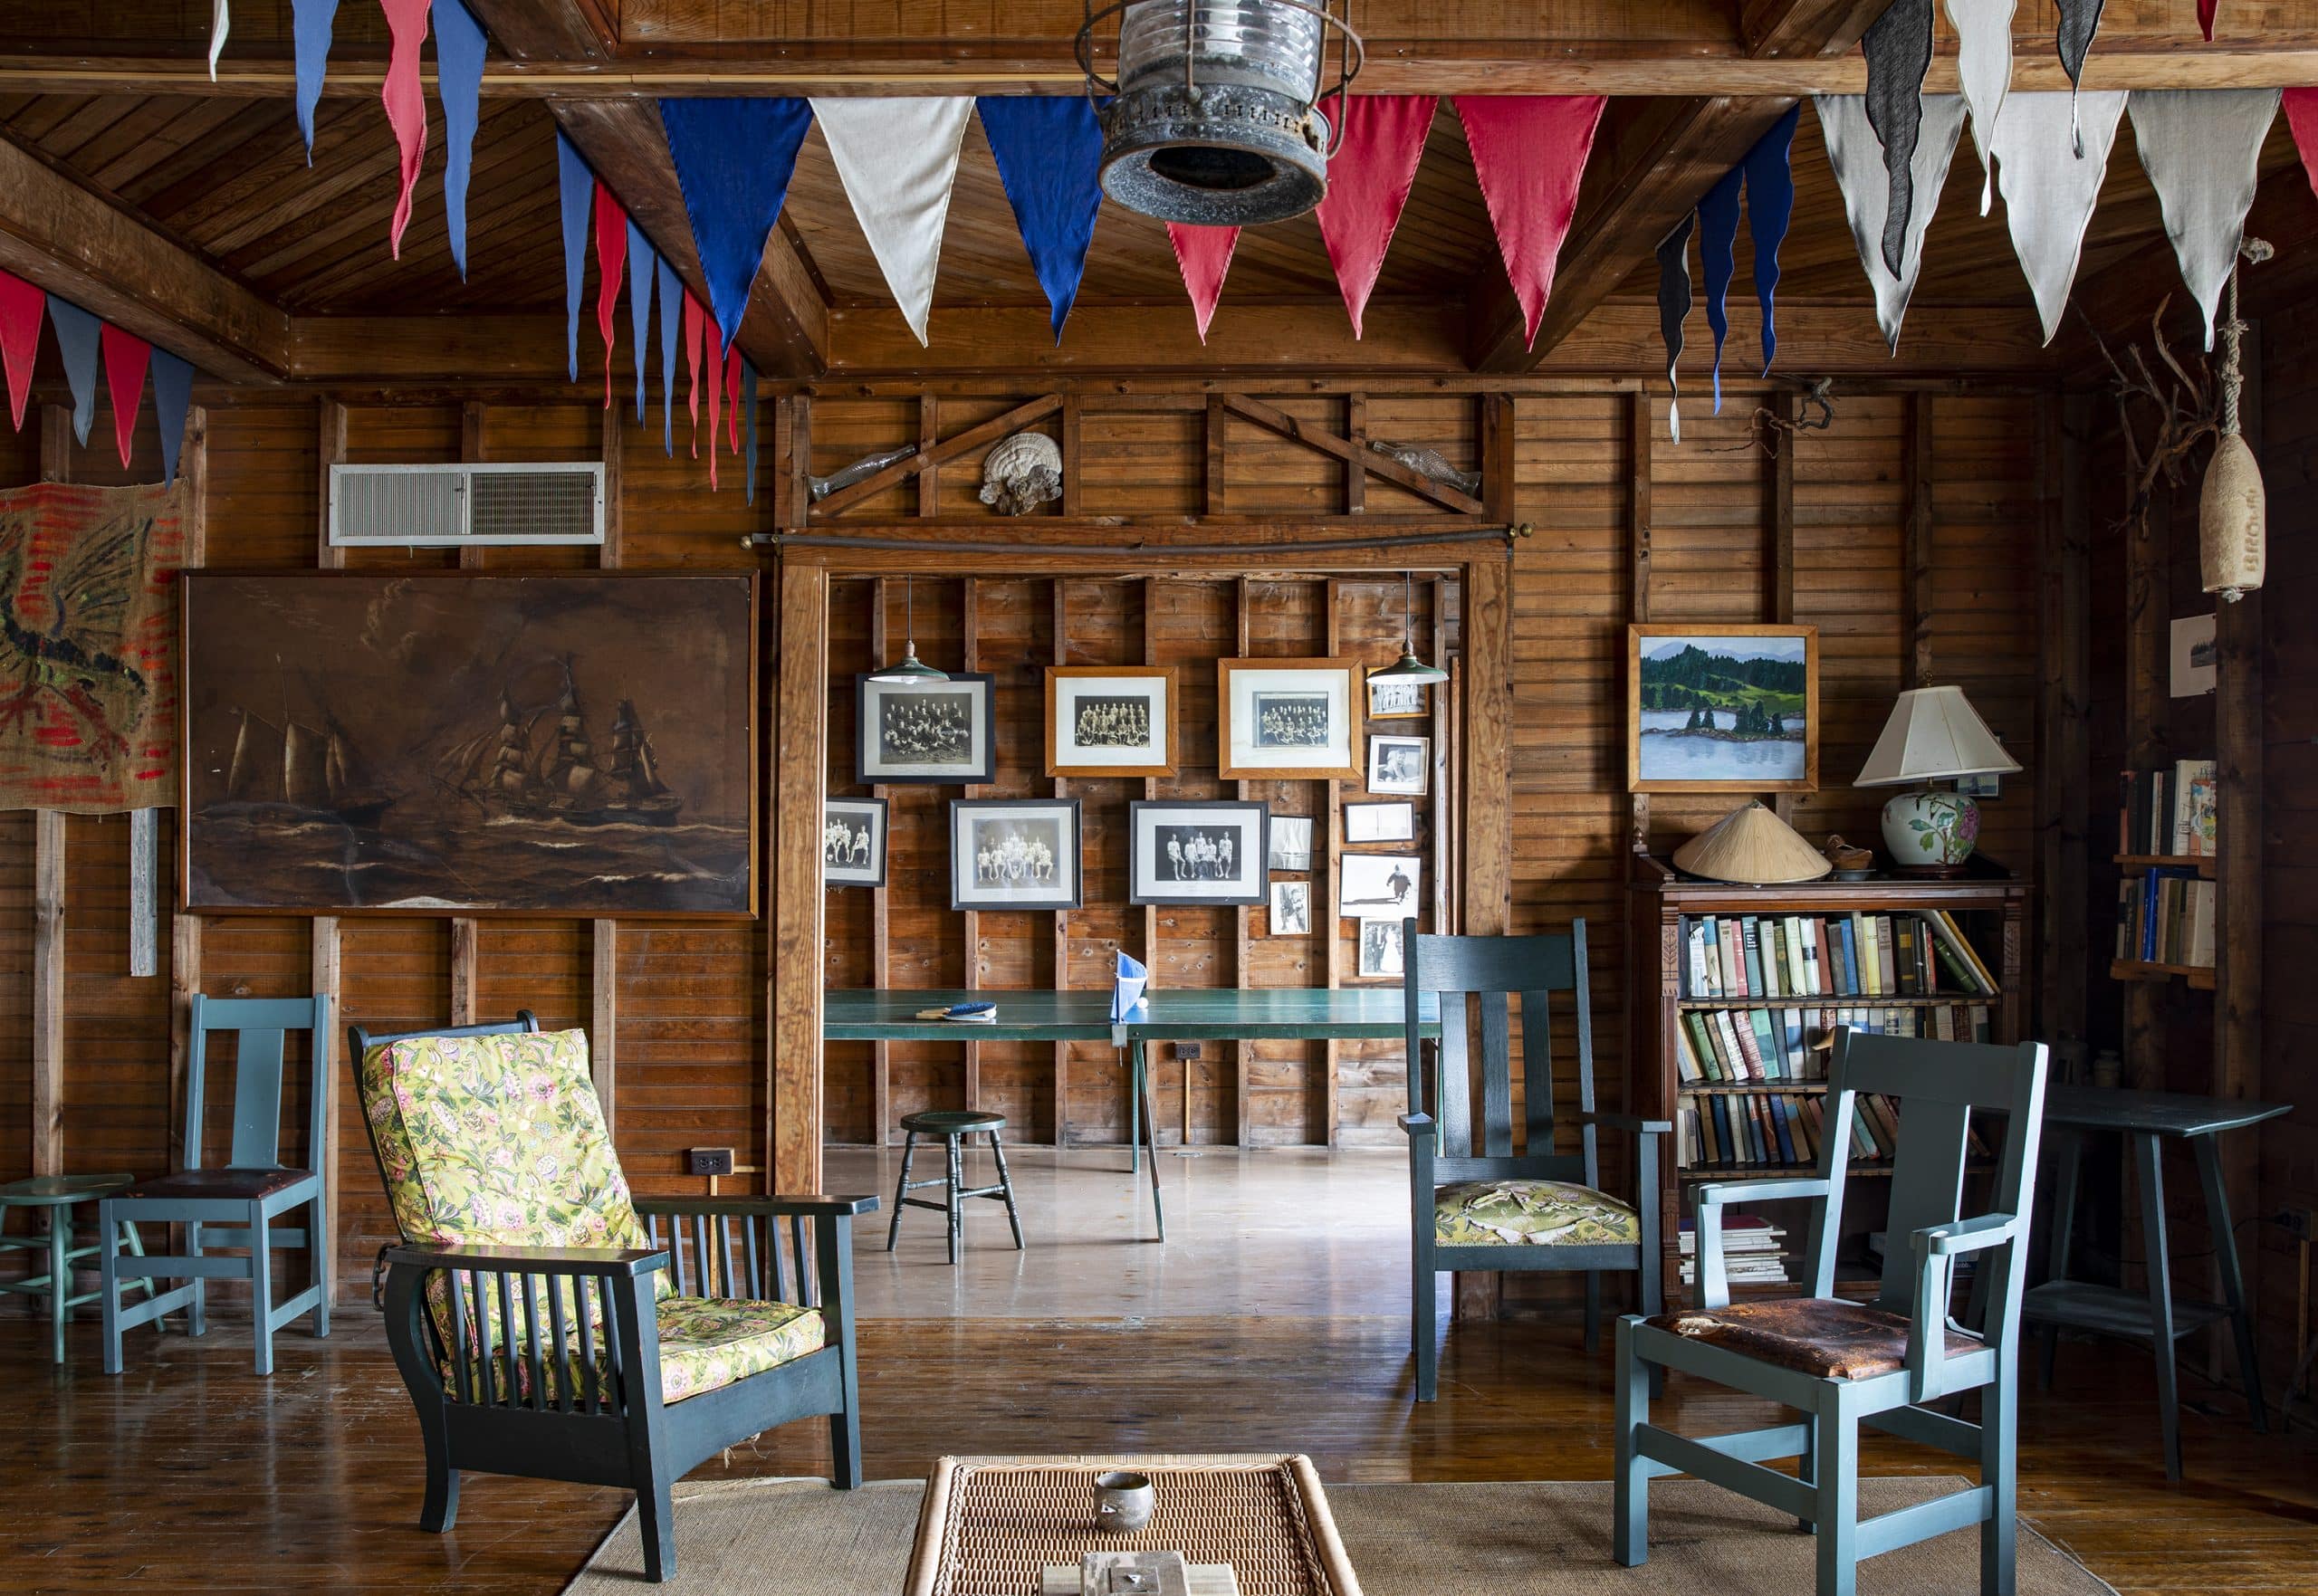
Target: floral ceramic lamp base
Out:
[1931,831]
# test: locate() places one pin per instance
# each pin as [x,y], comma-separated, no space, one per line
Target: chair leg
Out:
[1835,1463]
[1006,1189]
[845,1447]
[2000,1473]
[109,1291]
[262,1288]
[60,1273]
[1630,1520]
[894,1226]
[953,1162]
[1592,1312]
[1424,1328]
[196,1319]
[440,1509]
[1806,1469]
[319,1259]
[655,1515]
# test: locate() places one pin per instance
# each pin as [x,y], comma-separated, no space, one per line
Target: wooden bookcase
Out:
[1990,905]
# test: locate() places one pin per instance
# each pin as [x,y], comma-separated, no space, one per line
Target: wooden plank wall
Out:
[690,1003]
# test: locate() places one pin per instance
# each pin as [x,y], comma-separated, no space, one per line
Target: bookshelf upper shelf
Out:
[2201,863]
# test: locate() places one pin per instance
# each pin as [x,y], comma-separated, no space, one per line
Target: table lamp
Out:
[1934,732]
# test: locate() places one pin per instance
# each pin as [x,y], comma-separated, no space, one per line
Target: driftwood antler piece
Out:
[2187,405]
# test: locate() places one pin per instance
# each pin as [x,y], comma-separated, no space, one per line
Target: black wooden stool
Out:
[953,1127]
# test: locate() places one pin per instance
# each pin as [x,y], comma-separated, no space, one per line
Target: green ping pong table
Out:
[1229,1014]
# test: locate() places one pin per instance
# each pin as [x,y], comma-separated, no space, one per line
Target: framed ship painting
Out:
[580,744]
[1723,709]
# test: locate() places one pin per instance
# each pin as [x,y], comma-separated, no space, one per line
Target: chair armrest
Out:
[1627,1121]
[767,1207]
[1721,1191]
[1965,1234]
[1936,1246]
[608,1262]
[1713,1280]
[1419,1124]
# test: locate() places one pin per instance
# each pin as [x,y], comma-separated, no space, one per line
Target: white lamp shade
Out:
[1934,731]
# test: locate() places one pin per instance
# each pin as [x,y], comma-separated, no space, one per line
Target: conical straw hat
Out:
[1751,845]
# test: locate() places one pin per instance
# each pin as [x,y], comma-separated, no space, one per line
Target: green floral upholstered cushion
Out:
[705,1343]
[1530,1213]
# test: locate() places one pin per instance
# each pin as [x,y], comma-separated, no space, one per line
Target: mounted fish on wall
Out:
[578,744]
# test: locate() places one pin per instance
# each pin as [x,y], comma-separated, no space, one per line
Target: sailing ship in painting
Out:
[296,766]
[526,769]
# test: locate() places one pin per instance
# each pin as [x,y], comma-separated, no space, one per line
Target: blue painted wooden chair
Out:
[1845,1364]
[234,1205]
[1473,1205]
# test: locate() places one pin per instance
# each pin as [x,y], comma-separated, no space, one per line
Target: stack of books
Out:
[1781,1131]
[2168,812]
[1920,954]
[1750,1251]
[1731,1047]
[2166,917]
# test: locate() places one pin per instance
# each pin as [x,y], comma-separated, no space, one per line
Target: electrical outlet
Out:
[1187,1050]
[2297,1223]
[709,1161]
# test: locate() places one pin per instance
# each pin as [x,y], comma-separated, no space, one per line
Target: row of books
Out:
[1830,956]
[2166,917]
[1718,1046]
[2169,811]
[1775,1129]
[1751,1253]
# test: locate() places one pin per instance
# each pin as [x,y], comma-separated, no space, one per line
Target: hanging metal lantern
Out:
[1214,117]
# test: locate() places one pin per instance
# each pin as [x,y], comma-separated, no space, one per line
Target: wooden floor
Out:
[189,1473]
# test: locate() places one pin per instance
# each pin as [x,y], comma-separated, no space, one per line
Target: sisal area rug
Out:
[801,1538]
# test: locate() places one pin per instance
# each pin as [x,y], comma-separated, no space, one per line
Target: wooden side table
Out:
[57,1195]
[2145,1120]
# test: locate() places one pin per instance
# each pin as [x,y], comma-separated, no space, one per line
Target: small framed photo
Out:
[1014,853]
[923,732]
[1379,886]
[1286,719]
[1195,853]
[1400,764]
[1291,907]
[1989,785]
[1723,709]
[1110,720]
[1291,843]
[1384,822]
[1396,700]
[1383,956]
[853,842]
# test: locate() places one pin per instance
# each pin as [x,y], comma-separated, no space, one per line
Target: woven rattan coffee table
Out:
[992,1525]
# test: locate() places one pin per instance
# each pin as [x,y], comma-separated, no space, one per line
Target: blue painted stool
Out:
[58,1194]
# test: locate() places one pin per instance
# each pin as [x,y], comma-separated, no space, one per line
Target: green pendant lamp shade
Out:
[909,667]
[1408,668]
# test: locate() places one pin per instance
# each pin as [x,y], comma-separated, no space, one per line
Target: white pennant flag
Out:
[897,159]
[1984,66]
[220,24]
[2203,152]
[2049,190]
[1857,157]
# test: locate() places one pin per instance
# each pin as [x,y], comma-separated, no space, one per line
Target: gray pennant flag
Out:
[1899,53]
[2080,19]
[1984,67]
[1675,309]
[1858,160]
[2049,189]
[2203,151]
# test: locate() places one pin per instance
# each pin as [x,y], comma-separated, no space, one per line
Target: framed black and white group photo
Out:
[1286,719]
[1395,699]
[1110,720]
[1014,853]
[853,842]
[1195,853]
[923,732]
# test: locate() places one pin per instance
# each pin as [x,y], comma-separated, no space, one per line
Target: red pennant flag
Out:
[1529,153]
[1204,254]
[715,339]
[126,358]
[405,106]
[2301,116]
[733,399]
[22,308]
[2206,8]
[1368,184]
[694,320]
[611,260]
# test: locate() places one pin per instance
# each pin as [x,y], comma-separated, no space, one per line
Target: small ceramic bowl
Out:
[1123,1502]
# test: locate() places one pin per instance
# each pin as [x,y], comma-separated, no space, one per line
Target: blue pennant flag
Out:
[576,189]
[77,334]
[1050,151]
[309,22]
[1717,232]
[458,84]
[733,158]
[672,317]
[749,422]
[642,275]
[1770,207]
[172,397]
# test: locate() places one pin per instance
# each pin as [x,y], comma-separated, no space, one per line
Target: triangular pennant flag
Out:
[1899,53]
[2203,152]
[172,400]
[575,192]
[22,306]
[733,159]
[1204,255]
[733,399]
[2080,19]
[643,267]
[672,313]
[713,338]
[458,83]
[1984,66]
[2302,119]
[1770,207]
[126,358]
[695,324]
[2049,189]
[1529,154]
[1369,179]
[405,106]
[221,23]
[897,159]
[611,259]
[1858,161]
[76,340]
[2206,9]
[749,413]
[310,26]
[1718,222]
[1673,309]
[1048,148]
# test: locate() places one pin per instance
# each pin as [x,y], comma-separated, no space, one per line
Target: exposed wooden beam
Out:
[328,980]
[1273,419]
[950,448]
[1776,30]
[552,30]
[84,246]
[48,992]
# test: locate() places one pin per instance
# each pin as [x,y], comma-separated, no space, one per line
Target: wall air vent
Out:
[450,506]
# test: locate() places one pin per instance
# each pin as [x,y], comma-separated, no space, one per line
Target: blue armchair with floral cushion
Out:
[543,1324]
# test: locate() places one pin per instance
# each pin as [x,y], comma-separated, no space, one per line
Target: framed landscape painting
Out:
[1285,719]
[469,744]
[1110,720]
[926,732]
[1723,709]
